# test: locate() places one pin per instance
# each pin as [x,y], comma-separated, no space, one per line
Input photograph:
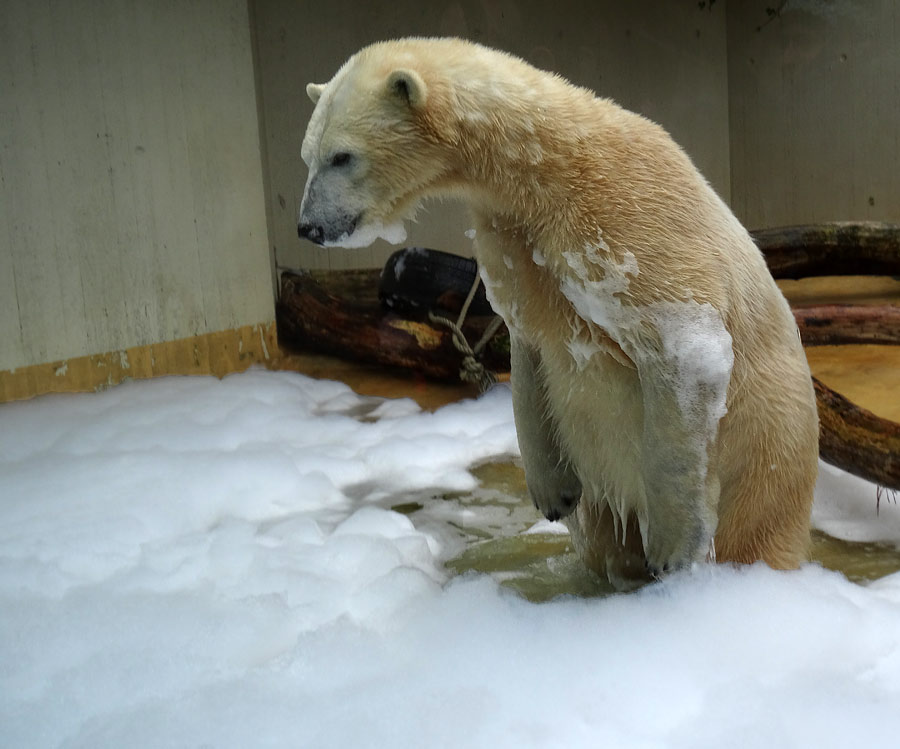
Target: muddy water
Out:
[541,566]
[858,561]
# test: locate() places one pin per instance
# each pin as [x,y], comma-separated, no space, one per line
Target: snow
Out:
[194,562]
[696,346]
[581,351]
[365,234]
[853,520]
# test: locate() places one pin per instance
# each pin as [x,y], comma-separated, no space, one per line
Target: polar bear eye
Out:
[340,159]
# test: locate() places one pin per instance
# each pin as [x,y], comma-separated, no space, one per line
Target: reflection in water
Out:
[540,566]
[859,562]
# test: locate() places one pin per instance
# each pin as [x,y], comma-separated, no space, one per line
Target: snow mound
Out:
[189,562]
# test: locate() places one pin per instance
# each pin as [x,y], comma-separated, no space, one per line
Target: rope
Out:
[471,370]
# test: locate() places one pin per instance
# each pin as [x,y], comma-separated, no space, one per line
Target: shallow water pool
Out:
[496,519]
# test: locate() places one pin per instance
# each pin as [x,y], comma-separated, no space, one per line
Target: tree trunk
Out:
[840,324]
[837,249]
[852,438]
[311,317]
[857,440]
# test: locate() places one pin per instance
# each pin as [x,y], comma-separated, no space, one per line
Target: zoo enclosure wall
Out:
[151,175]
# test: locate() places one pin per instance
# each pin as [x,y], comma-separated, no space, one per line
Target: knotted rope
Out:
[471,370]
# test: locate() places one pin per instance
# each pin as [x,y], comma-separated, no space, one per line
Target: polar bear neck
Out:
[527,144]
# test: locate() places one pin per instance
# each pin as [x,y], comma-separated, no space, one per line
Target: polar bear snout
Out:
[330,211]
[333,231]
[312,232]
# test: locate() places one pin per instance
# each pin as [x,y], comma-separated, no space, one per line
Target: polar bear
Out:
[662,399]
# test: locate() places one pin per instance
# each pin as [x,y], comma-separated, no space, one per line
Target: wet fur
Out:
[549,167]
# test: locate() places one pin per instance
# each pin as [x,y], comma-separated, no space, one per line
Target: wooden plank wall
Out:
[815,111]
[131,194]
[219,354]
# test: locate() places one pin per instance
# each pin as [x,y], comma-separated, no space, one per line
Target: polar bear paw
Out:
[559,506]
[555,491]
[667,552]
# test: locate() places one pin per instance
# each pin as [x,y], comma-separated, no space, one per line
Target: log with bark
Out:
[868,248]
[315,312]
[857,440]
[311,316]
[842,324]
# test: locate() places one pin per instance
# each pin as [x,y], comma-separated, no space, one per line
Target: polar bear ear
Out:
[314,91]
[408,87]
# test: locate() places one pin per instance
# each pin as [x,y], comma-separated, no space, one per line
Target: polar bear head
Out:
[371,149]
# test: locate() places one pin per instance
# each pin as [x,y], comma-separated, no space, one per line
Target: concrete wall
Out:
[663,58]
[815,111]
[133,203]
[131,191]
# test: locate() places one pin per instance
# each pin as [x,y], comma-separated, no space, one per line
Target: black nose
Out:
[312,232]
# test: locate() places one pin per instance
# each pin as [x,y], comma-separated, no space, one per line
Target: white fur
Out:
[656,367]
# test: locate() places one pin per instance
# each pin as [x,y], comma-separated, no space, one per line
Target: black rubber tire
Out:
[415,281]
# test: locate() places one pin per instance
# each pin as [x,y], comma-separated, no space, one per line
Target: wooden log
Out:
[857,440]
[840,324]
[311,317]
[866,248]
[852,438]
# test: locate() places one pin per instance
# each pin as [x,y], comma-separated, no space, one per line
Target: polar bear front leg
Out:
[680,477]
[552,484]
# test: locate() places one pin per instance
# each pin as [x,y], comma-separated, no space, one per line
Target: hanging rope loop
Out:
[472,370]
